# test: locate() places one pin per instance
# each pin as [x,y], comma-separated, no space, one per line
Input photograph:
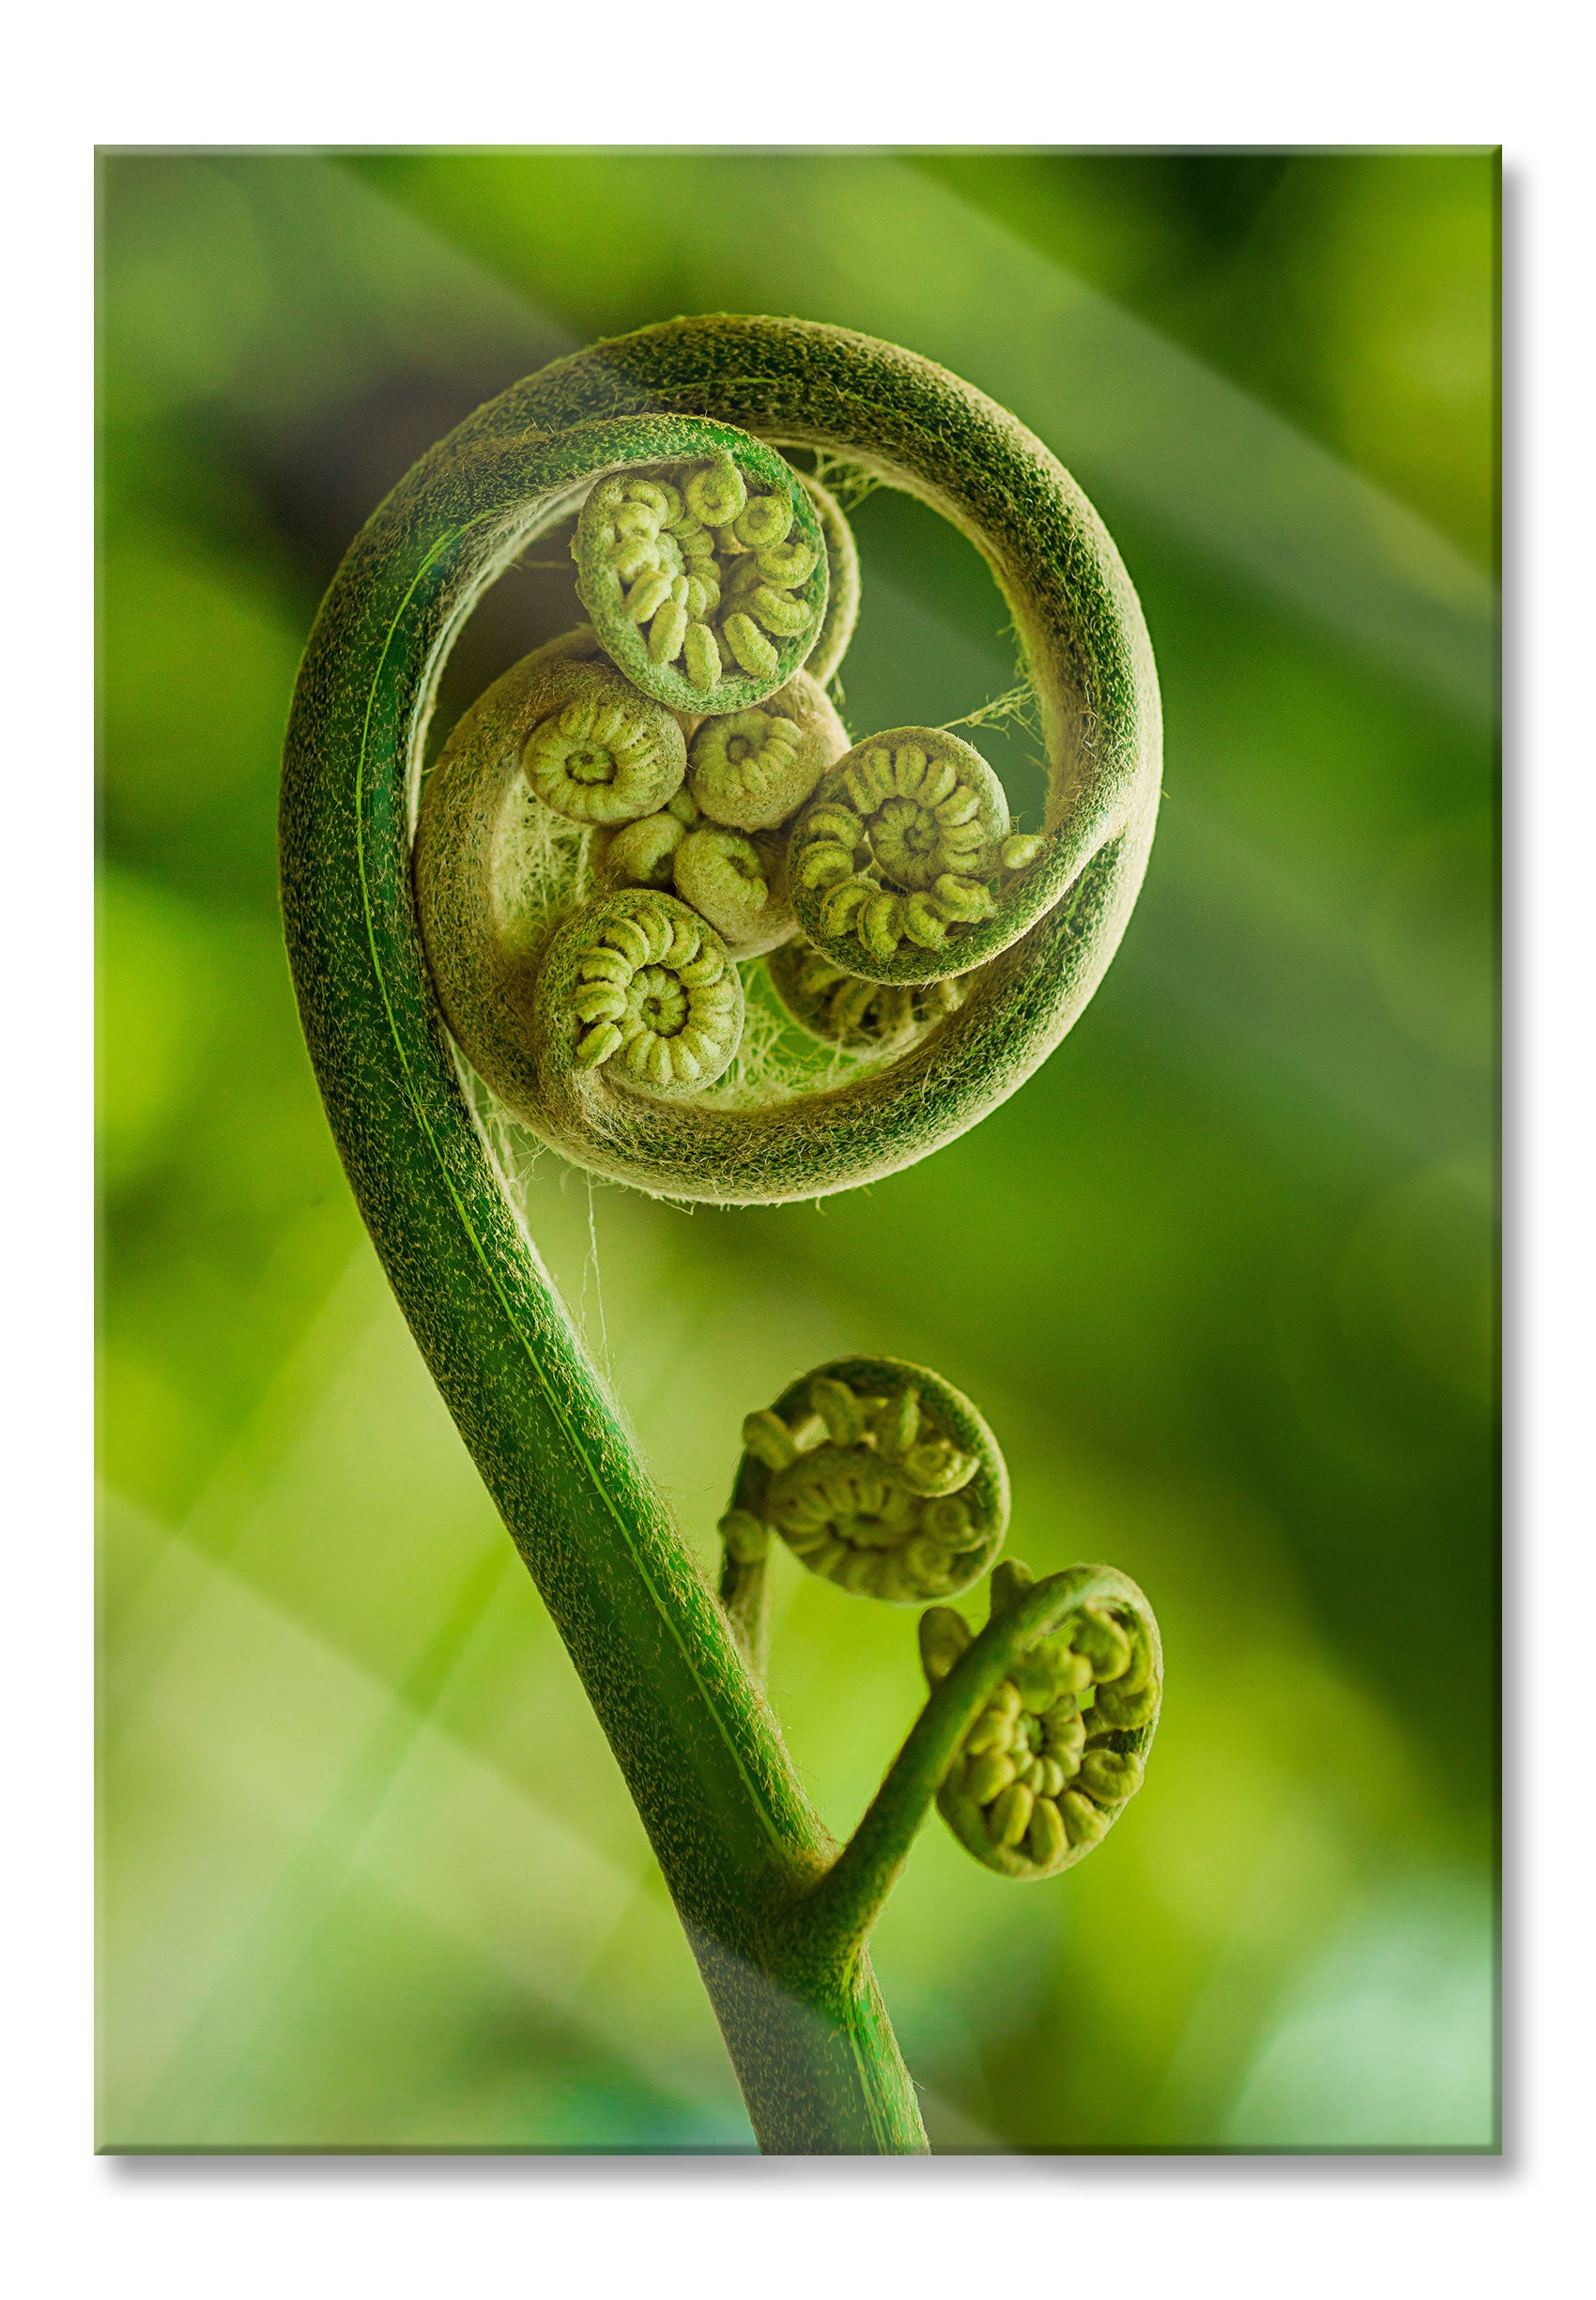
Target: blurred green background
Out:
[369,1879]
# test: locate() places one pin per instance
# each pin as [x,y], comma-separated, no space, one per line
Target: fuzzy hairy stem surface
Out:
[738,1843]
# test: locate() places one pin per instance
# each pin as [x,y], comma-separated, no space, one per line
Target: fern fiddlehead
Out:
[642,979]
[1060,1748]
[1023,1744]
[556,923]
[755,769]
[895,857]
[876,1475]
[849,1010]
[705,580]
[880,1477]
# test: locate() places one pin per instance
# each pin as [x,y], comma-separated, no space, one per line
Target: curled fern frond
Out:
[846,1010]
[998,1732]
[896,858]
[875,1474]
[571,905]
[872,1473]
[598,751]
[723,585]
[639,984]
[705,580]
[754,769]
[739,884]
[1060,1747]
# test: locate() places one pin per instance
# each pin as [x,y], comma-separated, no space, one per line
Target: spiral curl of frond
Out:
[895,856]
[905,846]
[643,854]
[878,1475]
[753,770]
[717,841]
[845,1010]
[647,989]
[1060,1748]
[739,884]
[602,752]
[723,566]
[599,1018]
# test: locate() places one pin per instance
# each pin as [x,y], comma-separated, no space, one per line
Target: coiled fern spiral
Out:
[676,755]
[722,586]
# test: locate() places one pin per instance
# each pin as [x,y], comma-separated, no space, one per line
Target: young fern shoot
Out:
[650,830]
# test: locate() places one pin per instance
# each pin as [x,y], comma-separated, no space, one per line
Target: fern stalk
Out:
[742,1852]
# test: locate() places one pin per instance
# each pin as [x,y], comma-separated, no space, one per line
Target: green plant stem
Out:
[836,1916]
[738,1843]
[744,1596]
[734,1834]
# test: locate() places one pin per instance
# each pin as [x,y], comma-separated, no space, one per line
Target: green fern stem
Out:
[741,1850]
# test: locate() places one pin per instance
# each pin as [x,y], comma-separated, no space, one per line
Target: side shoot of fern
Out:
[658,905]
